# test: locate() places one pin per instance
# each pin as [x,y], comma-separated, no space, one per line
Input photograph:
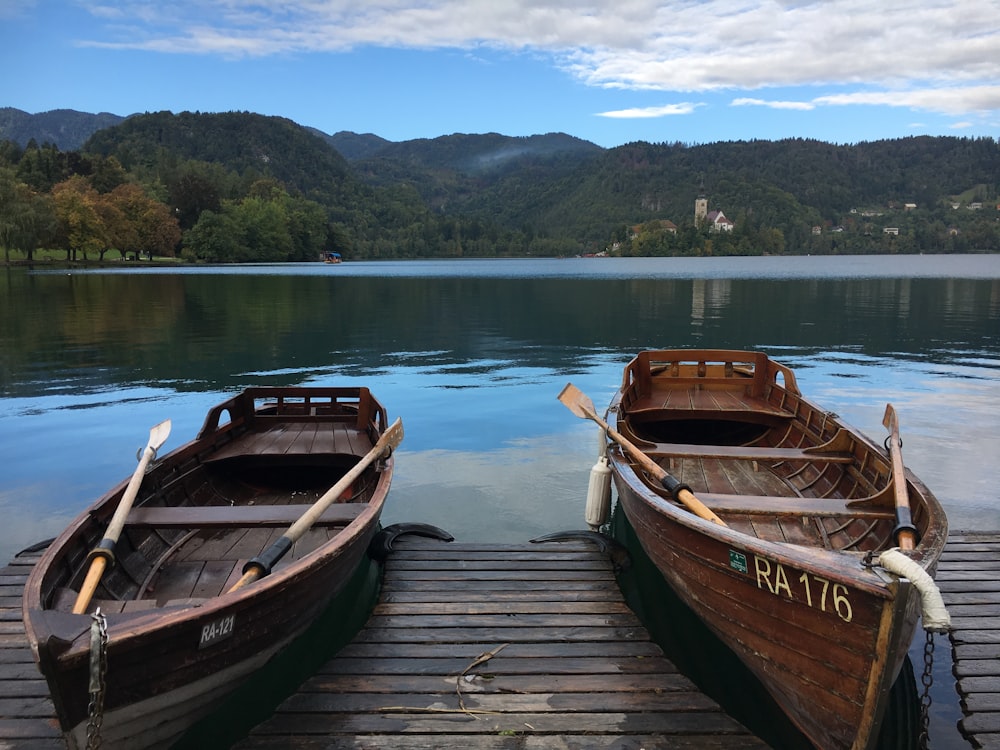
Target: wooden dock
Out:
[527,645]
[27,716]
[969,579]
[489,646]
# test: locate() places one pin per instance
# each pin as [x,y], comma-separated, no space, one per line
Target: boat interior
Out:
[223,502]
[734,428]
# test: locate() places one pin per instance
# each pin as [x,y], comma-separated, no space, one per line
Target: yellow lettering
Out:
[781,582]
[763,567]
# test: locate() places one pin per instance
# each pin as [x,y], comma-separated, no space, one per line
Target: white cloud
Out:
[943,54]
[681,108]
[949,101]
[748,102]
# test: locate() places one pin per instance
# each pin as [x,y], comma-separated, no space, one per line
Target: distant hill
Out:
[354,146]
[243,142]
[474,174]
[65,128]
[559,194]
[468,153]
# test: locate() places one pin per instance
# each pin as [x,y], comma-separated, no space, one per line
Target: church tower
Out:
[700,205]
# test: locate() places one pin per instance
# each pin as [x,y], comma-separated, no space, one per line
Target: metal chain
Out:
[926,680]
[98,674]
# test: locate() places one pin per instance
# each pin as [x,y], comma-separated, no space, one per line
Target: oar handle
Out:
[906,531]
[679,491]
[261,565]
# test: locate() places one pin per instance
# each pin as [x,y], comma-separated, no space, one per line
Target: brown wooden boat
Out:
[788,566]
[184,618]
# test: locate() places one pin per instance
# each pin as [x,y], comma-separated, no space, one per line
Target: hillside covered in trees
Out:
[240,187]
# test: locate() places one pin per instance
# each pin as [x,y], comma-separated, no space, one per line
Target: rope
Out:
[935,616]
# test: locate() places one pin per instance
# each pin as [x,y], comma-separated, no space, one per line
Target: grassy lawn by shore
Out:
[56,257]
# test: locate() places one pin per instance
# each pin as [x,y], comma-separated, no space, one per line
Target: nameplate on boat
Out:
[217,630]
[738,561]
[805,588]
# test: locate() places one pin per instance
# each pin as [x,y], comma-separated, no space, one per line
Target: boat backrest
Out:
[351,405]
[701,367]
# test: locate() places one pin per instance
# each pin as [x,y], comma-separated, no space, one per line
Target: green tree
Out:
[22,215]
[213,239]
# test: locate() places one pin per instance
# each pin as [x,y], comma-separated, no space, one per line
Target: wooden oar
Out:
[261,566]
[906,532]
[577,402]
[104,552]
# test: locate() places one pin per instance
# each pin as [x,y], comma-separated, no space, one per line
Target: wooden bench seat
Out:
[792,506]
[705,403]
[837,450]
[746,453]
[220,516]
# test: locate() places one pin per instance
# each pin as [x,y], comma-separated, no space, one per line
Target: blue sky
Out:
[694,71]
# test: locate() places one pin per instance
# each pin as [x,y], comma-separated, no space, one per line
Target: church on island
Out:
[716,220]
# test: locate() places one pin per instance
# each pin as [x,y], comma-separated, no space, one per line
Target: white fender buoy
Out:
[599,492]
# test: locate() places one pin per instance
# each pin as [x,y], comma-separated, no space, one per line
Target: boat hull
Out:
[169,662]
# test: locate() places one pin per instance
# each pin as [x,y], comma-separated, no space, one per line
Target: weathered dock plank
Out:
[497,646]
[968,579]
[570,666]
[27,716]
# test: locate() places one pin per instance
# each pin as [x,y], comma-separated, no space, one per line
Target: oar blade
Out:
[577,401]
[392,437]
[889,420]
[158,434]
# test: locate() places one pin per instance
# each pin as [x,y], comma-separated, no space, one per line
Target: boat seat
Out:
[792,506]
[839,449]
[220,516]
[698,403]
[745,453]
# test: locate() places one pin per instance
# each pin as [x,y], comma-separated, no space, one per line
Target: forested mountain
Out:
[65,128]
[480,195]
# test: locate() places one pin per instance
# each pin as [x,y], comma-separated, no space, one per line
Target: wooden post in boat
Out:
[104,552]
[577,402]
[906,532]
[261,566]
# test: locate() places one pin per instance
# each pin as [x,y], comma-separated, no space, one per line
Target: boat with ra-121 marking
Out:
[179,583]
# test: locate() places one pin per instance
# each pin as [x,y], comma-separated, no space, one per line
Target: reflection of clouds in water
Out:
[524,489]
[950,429]
[22,529]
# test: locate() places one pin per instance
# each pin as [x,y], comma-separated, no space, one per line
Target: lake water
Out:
[472,354]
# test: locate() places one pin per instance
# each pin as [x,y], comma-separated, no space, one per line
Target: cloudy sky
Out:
[609,71]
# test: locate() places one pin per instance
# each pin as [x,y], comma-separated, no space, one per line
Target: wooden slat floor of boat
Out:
[969,579]
[288,438]
[490,646]
[731,401]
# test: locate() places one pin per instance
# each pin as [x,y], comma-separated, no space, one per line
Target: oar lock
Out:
[140,451]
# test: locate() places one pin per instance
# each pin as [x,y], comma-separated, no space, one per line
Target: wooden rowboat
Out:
[182,615]
[771,519]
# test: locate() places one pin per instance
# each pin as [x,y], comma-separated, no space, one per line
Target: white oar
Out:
[104,552]
[261,566]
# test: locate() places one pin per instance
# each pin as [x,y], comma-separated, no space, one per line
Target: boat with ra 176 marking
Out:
[179,583]
[807,548]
